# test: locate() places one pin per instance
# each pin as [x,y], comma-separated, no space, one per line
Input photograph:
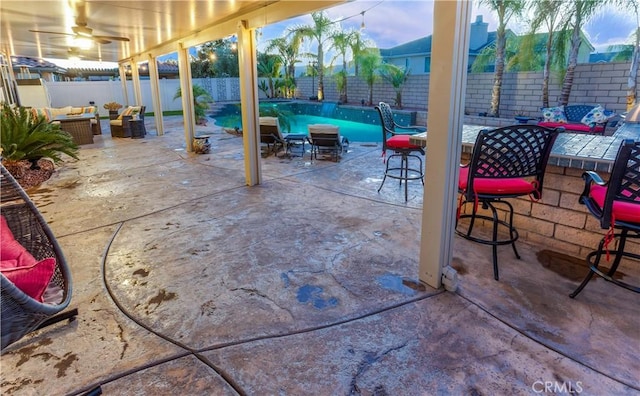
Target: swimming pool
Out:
[354,131]
[358,124]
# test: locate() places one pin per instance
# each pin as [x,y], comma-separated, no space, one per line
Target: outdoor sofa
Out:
[577,118]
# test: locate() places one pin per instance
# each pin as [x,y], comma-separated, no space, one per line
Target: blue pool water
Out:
[354,131]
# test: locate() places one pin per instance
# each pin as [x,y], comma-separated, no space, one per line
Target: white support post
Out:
[187,96]
[135,78]
[447,85]
[154,83]
[123,81]
[249,102]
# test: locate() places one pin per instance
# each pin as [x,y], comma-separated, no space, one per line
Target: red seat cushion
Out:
[623,211]
[401,142]
[510,186]
[571,126]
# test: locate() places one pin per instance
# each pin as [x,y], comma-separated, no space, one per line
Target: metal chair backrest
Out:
[624,183]
[517,151]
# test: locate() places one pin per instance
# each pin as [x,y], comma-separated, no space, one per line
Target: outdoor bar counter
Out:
[559,222]
[572,150]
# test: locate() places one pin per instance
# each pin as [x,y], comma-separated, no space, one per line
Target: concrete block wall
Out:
[558,221]
[594,83]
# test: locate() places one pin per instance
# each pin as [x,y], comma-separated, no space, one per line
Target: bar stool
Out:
[401,147]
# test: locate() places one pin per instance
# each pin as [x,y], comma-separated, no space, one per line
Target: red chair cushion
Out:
[510,186]
[623,211]
[401,142]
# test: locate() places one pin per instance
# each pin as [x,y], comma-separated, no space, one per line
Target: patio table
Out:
[78,126]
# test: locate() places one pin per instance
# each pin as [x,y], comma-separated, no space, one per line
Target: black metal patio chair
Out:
[506,162]
[396,138]
[616,205]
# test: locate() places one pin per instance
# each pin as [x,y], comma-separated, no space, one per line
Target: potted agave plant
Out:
[113,108]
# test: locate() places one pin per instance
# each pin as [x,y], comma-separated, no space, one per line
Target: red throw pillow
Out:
[32,280]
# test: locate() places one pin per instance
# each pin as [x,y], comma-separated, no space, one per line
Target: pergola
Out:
[155,28]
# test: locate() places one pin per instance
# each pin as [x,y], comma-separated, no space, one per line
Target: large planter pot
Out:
[113,114]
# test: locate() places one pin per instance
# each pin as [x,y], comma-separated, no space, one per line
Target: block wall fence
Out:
[594,83]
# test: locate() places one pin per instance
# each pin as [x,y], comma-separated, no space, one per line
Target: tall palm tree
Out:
[320,31]
[547,13]
[505,9]
[396,76]
[342,42]
[370,62]
[576,14]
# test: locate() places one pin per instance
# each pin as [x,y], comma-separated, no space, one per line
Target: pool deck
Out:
[190,282]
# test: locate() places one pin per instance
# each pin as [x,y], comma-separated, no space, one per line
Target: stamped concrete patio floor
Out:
[189,282]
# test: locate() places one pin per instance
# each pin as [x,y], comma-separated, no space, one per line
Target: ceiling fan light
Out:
[83,43]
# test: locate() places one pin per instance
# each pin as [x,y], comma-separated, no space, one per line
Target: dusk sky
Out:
[392,22]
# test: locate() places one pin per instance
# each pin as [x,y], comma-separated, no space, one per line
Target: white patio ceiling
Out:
[152,26]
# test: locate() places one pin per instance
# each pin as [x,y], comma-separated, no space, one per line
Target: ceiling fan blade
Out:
[100,40]
[112,38]
[47,32]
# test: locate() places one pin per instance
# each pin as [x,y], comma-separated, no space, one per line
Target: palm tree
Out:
[201,100]
[396,76]
[576,14]
[370,62]
[288,50]
[269,66]
[546,12]
[342,42]
[359,44]
[505,10]
[320,31]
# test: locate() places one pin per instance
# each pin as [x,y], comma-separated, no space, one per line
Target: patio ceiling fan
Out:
[82,30]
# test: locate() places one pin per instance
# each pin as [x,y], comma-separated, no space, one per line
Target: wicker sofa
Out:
[577,118]
[52,112]
[120,126]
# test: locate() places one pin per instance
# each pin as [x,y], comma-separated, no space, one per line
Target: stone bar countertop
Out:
[574,150]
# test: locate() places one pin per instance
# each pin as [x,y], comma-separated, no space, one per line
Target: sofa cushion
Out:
[572,126]
[57,111]
[117,122]
[554,114]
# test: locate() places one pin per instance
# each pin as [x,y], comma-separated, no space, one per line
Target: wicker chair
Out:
[120,126]
[22,314]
